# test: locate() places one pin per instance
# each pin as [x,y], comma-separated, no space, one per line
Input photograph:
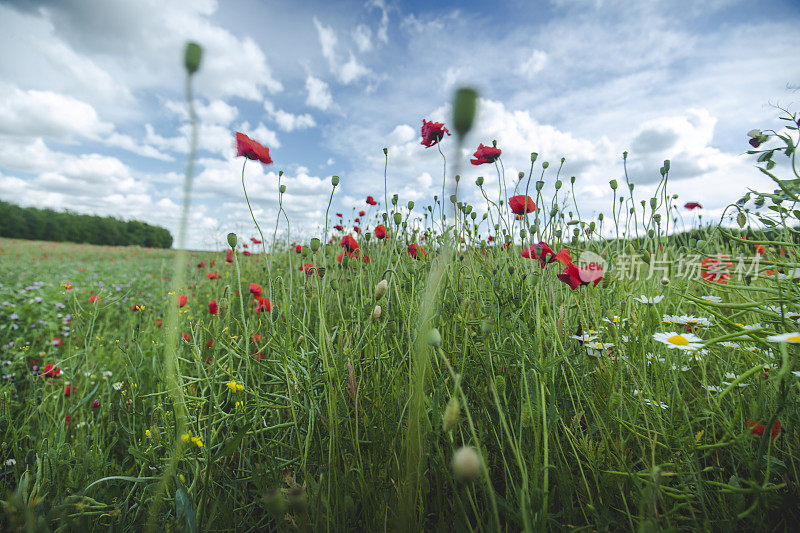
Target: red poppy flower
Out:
[212,275]
[521,204]
[247,147]
[349,243]
[577,276]
[298,248]
[362,213]
[256,338]
[159,323]
[756,428]
[357,219]
[181,300]
[201,265]
[96,404]
[213,307]
[338,227]
[546,255]
[371,200]
[229,259]
[246,252]
[760,249]
[262,303]
[93,299]
[254,240]
[256,290]
[68,388]
[380,231]
[714,270]
[485,154]
[57,341]
[210,342]
[67,420]
[692,205]
[357,229]
[432,133]
[308,268]
[415,251]
[352,255]
[186,337]
[51,371]
[339,215]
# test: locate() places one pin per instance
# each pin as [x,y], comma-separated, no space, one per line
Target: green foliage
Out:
[48,225]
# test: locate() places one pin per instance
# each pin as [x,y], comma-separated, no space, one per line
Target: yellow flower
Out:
[197,441]
[147,433]
[239,405]
[235,387]
[186,437]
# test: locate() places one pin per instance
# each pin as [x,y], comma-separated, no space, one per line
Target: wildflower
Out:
[197,441]
[210,342]
[546,255]
[51,371]
[577,276]
[256,290]
[186,337]
[712,388]
[186,437]
[10,462]
[213,307]
[380,289]
[415,251]
[181,300]
[96,404]
[339,215]
[246,253]
[692,205]
[67,420]
[432,133]
[256,338]
[238,405]
[235,387]
[147,433]
[756,428]
[371,200]
[67,285]
[686,341]
[298,248]
[655,403]
[93,299]
[68,388]
[262,303]
[714,270]
[349,243]
[254,240]
[466,464]
[308,268]
[521,204]
[247,147]
[117,385]
[380,231]
[57,341]
[791,338]
[212,275]
[137,307]
[710,298]
[362,213]
[485,154]
[357,229]
[649,300]
[338,227]
[201,265]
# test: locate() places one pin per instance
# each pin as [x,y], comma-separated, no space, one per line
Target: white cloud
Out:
[319,94]
[532,64]
[362,35]
[352,71]
[287,121]
[327,40]
[345,72]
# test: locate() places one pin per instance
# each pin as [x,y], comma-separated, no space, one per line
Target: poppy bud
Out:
[395,198]
[335,180]
[520,175]
[376,313]
[232,240]
[479,181]
[334,285]
[451,413]
[314,244]
[572,180]
[657,217]
[283,189]
[653,203]
[650,233]
[410,206]
[398,218]
[466,464]
[600,217]
[191,57]
[631,186]
[545,165]
[458,178]
[666,165]
[385,151]
[741,219]
[523,233]
[613,184]
[474,215]
[464,107]
[558,184]
[452,198]
[433,337]
[380,289]
[539,185]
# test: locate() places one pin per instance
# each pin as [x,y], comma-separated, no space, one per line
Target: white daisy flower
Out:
[757,325]
[117,385]
[584,338]
[685,341]
[729,344]
[653,357]
[107,373]
[655,403]
[710,298]
[696,355]
[615,320]
[791,338]
[682,368]
[10,462]
[712,388]
[649,299]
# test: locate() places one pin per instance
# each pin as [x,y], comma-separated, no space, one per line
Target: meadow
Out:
[523,370]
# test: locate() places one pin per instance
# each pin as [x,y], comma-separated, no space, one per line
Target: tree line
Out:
[47,225]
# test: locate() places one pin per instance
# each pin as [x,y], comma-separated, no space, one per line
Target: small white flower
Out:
[615,320]
[682,368]
[710,298]
[791,338]
[796,373]
[107,373]
[696,355]
[712,388]
[757,325]
[10,462]
[584,337]
[687,319]
[117,385]
[655,403]
[729,344]
[649,299]
[653,357]
[685,341]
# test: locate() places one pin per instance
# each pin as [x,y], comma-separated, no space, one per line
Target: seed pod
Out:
[451,414]
[464,106]
[192,56]
[376,313]
[380,289]
[314,244]
[466,464]
[433,337]
[335,180]
[232,240]
[398,218]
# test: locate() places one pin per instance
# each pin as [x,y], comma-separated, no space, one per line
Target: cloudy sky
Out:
[92,116]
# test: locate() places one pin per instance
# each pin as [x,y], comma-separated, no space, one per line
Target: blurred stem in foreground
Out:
[192,57]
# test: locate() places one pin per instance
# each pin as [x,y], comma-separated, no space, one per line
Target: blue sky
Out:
[92,115]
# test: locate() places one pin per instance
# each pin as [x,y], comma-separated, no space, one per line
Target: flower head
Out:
[415,251]
[546,255]
[790,338]
[256,290]
[432,133]
[262,303]
[485,154]
[213,307]
[371,200]
[692,205]
[577,276]
[521,204]
[349,243]
[247,147]
[685,341]
[380,231]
